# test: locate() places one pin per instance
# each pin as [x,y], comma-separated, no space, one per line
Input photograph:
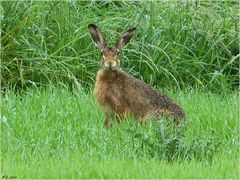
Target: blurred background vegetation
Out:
[177,45]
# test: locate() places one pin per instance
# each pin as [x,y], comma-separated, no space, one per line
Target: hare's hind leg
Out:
[142,117]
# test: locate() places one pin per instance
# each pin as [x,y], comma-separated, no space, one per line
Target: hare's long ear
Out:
[125,38]
[97,36]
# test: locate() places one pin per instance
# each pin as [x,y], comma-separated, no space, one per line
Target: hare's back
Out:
[144,91]
[145,95]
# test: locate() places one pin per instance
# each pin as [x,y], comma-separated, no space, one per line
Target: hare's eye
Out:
[117,52]
[101,51]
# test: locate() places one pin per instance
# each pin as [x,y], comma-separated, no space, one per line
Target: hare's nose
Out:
[109,64]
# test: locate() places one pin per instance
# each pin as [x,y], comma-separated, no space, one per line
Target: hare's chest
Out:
[108,94]
[109,89]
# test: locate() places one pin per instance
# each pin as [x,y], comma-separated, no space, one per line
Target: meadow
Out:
[58,133]
[51,126]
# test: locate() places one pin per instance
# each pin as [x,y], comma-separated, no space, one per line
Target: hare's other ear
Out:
[97,36]
[125,38]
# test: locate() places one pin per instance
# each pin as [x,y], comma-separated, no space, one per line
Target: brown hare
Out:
[119,94]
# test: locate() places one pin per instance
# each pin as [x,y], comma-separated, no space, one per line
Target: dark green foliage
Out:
[168,143]
[178,43]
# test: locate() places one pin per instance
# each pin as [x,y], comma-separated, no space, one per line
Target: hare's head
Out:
[109,56]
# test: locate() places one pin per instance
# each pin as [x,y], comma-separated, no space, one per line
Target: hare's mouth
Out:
[110,66]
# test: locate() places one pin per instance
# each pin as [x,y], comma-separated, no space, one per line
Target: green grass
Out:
[58,133]
[177,44]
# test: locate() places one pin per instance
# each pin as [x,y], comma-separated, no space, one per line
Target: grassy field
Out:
[58,133]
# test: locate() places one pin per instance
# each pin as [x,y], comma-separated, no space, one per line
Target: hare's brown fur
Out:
[120,94]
